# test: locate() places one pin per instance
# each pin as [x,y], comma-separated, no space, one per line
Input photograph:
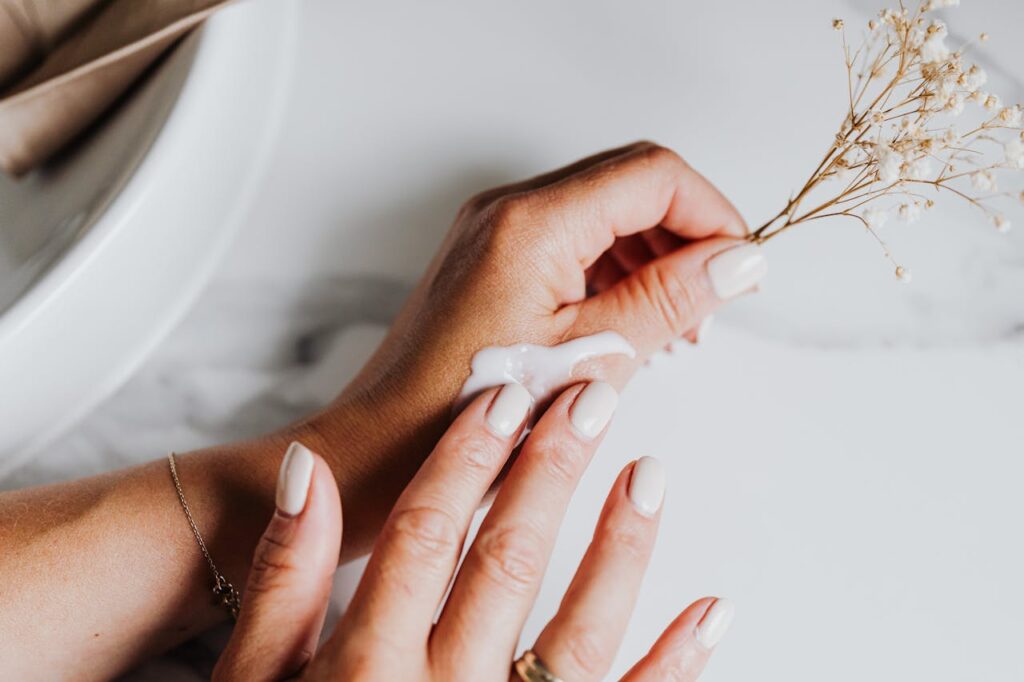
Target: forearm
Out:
[98,573]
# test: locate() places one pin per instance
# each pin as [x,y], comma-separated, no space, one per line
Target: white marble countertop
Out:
[844,452]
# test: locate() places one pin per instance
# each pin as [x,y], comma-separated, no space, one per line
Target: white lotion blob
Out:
[540,369]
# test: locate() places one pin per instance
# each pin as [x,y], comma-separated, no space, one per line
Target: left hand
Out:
[631,240]
[390,632]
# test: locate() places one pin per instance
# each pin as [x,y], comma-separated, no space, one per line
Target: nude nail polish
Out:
[737,270]
[508,409]
[715,622]
[647,485]
[703,327]
[593,409]
[293,479]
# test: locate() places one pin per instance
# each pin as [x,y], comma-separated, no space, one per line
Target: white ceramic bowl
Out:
[102,252]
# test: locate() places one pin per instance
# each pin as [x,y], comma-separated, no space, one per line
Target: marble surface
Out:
[844,452]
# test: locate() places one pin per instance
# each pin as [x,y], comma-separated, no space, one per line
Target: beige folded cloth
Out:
[90,51]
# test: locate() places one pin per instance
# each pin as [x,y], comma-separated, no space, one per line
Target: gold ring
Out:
[531,669]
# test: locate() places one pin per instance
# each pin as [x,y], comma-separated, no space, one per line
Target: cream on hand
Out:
[540,369]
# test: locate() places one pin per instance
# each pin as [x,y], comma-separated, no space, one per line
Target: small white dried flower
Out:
[978,97]
[888,163]
[992,102]
[837,24]
[1001,223]
[973,78]
[954,105]
[903,274]
[910,128]
[1014,152]
[843,174]
[915,39]
[909,213]
[918,169]
[876,217]
[984,180]
[947,86]
[872,25]
[983,37]
[1012,116]
[950,137]
[933,48]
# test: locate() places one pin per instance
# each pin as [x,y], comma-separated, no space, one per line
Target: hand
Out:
[389,631]
[629,240]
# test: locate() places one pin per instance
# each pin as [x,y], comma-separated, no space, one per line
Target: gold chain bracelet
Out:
[225,591]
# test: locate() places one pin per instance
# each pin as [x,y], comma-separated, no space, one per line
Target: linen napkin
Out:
[64,62]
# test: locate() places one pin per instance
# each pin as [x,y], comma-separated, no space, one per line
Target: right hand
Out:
[389,631]
[631,240]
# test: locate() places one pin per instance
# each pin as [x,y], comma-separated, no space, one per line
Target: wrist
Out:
[373,445]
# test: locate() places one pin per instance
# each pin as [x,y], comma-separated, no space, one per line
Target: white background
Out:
[844,452]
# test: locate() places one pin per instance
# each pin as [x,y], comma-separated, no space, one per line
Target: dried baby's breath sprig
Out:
[899,143]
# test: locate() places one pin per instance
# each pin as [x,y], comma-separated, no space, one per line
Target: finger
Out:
[631,252]
[418,547]
[285,598]
[661,241]
[581,640]
[603,275]
[671,295]
[646,187]
[478,629]
[684,648]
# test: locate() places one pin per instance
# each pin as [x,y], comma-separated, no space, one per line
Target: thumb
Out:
[286,595]
[669,296]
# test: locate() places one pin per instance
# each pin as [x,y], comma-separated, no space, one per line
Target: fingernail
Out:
[715,622]
[293,479]
[703,327]
[508,409]
[736,270]
[593,409]
[647,485]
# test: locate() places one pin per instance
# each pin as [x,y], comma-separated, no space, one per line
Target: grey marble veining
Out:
[249,358]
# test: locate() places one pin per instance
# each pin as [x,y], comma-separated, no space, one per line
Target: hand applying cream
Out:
[575,275]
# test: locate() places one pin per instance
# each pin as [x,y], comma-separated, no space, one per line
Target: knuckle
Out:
[272,563]
[508,212]
[643,144]
[425,532]
[675,669]
[513,557]
[656,155]
[477,203]
[587,652]
[562,459]
[670,296]
[495,234]
[474,451]
[629,541]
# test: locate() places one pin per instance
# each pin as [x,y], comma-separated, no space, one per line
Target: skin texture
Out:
[389,633]
[617,241]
